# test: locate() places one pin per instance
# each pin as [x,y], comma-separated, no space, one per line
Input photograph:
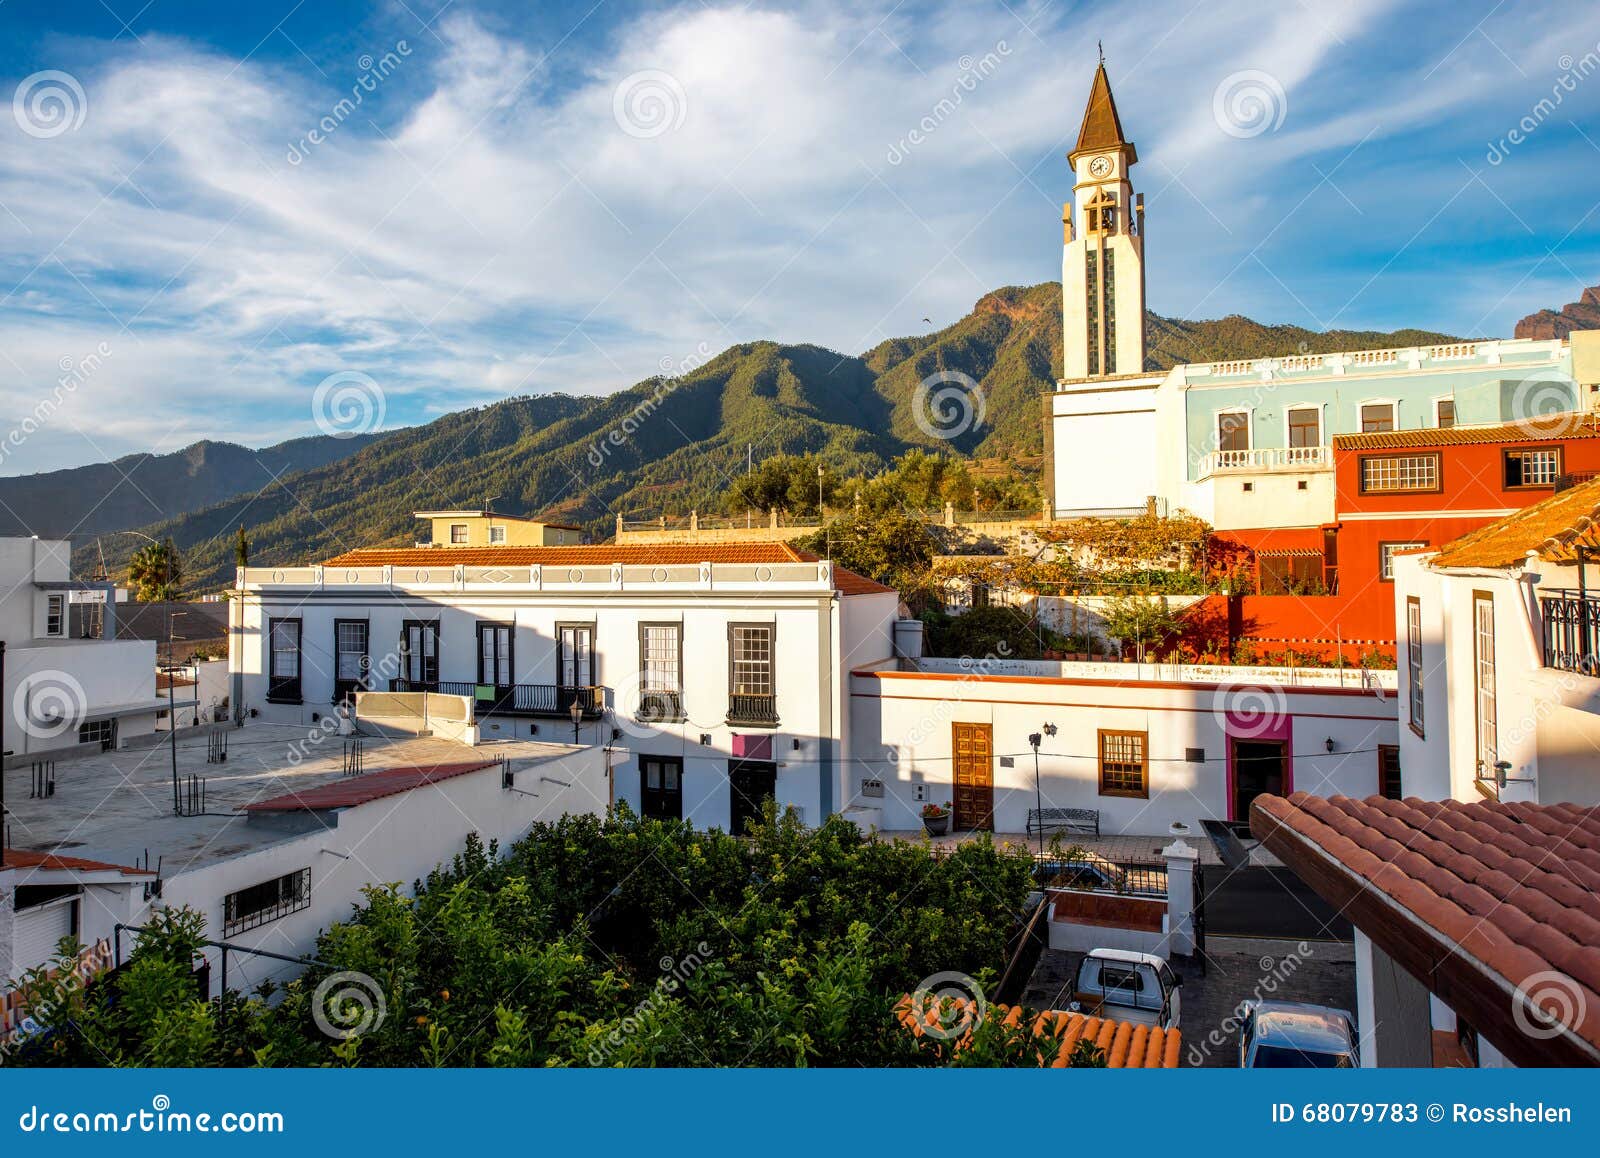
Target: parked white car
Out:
[1296,1035]
[1136,987]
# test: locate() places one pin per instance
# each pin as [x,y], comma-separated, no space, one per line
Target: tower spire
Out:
[1101,130]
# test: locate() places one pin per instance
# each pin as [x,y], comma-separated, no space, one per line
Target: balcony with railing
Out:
[753,711]
[552,700]
[1267,458]
[1571,630]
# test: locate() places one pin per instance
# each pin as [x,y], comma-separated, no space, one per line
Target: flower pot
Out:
[936,825]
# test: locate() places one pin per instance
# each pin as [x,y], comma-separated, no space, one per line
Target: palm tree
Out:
[156,571]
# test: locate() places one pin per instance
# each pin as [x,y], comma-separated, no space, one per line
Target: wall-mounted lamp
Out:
[1329,744]
[705,739]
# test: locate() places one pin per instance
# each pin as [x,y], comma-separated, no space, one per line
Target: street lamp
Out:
[1034,740]
[576,712]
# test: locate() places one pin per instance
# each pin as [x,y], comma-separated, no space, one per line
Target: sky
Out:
[259,221]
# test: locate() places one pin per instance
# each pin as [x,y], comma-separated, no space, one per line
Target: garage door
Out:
[39,930]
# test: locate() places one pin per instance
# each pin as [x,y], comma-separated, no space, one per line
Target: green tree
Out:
[1000,632]
[788,947]
[1140,620]
[241,548]
[784,482]
[156,571]
[890,546]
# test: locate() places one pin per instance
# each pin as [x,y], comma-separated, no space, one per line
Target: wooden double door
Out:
[972,776]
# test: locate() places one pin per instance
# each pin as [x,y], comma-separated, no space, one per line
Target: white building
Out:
[1244,443]
[1499,656]
[1141,745]
[272,845]
[65,692]
[717,673]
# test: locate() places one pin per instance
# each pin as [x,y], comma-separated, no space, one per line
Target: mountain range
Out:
[661,445]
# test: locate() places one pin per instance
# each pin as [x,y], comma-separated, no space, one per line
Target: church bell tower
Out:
[1102,262]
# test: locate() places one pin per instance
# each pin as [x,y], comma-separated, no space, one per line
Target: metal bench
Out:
[1081,820]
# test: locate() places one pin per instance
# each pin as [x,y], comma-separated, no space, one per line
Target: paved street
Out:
[1237,969]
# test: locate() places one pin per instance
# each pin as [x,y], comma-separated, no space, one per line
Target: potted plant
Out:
[936,818]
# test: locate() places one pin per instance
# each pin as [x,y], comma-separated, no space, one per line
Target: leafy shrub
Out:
[595,941]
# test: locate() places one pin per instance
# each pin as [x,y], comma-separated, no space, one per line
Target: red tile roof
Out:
[362,789]
[1494,906]
[1126,1046]
[25,858]
[1550,528]
[1551,428]
[602,554]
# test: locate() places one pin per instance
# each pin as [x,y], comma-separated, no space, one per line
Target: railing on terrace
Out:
[1571,630]
[1096,874]
[554,700]
[1369,678]
[1268,458]
[1365,361]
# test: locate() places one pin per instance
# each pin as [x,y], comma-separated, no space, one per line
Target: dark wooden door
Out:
[661,787]
[973,745]
[1389,771]
[1258,766]
[752,783]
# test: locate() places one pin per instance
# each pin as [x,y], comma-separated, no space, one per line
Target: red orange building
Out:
[1398,490]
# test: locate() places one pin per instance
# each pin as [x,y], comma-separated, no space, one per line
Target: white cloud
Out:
[481,225]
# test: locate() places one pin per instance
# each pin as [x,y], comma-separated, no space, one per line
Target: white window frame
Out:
[55,608]
[497,536]
[1322,421]
[466,534]
[1455,419]
[1394,412]
[1486,722]
[1414,671]
[1386,550]
[1249,414]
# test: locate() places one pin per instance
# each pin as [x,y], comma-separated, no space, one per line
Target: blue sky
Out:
[572,196]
